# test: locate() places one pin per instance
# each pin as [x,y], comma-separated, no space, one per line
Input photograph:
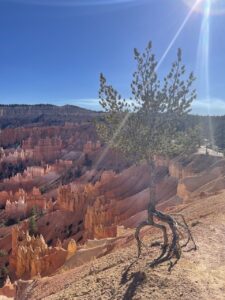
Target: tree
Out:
[220,134]
[33,230]
[87,161]
[3,275]
[150,124]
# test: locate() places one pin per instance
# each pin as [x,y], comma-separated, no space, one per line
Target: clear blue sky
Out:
[52,51]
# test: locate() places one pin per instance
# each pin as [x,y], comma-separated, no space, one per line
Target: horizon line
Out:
[79,105]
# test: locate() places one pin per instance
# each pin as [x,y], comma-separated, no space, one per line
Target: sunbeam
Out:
[203,60]
[104,153]
[217,7]
[180,29]
[193,8]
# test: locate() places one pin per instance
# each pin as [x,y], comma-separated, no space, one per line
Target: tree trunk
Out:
[169,249]
[152,187]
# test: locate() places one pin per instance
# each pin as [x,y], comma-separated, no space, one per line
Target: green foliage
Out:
[185,143]
[9,169]
[42,190]
[219,135]
[4,272]
[3,253]
[3,275]
[151,122]
[33,230]
[32,226]
[212,129]
[41,213]
[33,211]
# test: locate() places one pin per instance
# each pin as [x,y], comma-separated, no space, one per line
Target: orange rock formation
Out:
[8,290]
[31,256]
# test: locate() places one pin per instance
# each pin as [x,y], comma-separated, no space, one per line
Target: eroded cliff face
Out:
[74,197]
[95,209]
[198,275]
[20,204]
[31,256]
[182,167]
[122,199]
[115,199]
[46,149]
[209,181]
[53,136]
[197,175]
[81,192]
[91,147]
[100,220]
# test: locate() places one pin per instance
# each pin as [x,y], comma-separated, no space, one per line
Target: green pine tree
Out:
[33,230]
[150,124]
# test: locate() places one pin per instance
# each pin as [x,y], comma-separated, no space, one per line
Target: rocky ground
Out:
[198,274]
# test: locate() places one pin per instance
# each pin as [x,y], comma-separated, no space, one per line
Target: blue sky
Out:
[52,51]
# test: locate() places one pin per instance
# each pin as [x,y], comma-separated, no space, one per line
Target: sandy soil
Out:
[198,274]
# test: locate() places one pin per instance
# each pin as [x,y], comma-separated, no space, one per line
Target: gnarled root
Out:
[186,228]
[137,235]
[170,249]
[140,244]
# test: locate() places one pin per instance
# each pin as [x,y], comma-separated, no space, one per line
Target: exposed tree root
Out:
[137,233]
[187,230]
[171,249]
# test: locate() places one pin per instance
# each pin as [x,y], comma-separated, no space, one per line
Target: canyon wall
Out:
[81,190]
[31,256]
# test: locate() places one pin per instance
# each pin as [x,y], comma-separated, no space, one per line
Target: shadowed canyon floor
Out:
[198,274]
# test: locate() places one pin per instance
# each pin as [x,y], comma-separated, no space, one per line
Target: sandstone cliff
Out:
[31,256]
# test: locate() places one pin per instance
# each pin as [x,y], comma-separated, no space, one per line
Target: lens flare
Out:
[203,64]
[217,7]
[177,34]
[180,29]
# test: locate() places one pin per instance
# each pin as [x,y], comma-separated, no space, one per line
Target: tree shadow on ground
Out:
[137,280]
[124,277]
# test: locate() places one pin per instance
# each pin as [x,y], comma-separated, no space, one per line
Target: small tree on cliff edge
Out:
[148,125]
[33,230]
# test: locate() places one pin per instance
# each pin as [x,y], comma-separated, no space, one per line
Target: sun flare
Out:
[217,7]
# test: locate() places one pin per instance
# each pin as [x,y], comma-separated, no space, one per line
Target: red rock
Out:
[31,256]
[8,290]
